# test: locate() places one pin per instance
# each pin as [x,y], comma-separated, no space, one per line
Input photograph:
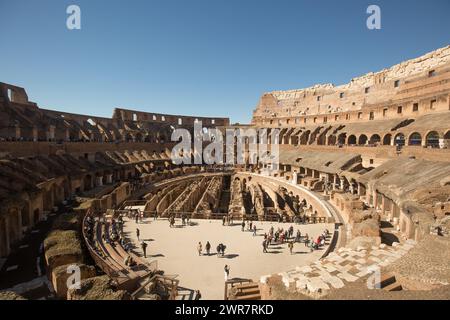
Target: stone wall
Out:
[375,95]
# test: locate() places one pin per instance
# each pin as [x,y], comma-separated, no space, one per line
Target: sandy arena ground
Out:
[175,249]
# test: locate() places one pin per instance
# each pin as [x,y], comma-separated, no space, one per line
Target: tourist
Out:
[199,248]
[306,240]
[243,225]
[207,247]
[298,236]
[291,246]
[136,217]
[129,261]
[264,244]
[250,228]
[254,230]
[223,220]
[144,248]
[219,249]
[198,295]
[138,233]
[227,272]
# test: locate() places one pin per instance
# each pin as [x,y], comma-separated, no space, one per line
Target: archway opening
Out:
[352,139]
[415,139]
[399,139]
[374,139]
[432,139]
[387,139]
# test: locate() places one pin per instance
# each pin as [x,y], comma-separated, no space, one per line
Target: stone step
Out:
[393,287]
[256,296]
[386,280]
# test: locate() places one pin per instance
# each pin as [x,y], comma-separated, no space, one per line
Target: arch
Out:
[87,182]
[387,139]
[399,139]
[25,216]
[375,138]
[148,138]
[351,139]
[36,216]
[304,138]
[128,137]
[415,139]
[321,139]
[332,140]
[362,140]
[342,138]
[138,137]
[432,139]
[447,135]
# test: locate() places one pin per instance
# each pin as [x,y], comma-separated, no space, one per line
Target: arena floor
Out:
[175,249]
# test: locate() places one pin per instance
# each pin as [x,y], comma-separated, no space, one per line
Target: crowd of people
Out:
[220,249]
[112,233]
[280,236]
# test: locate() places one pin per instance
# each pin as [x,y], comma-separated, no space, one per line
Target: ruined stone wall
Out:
[21,120]
[422,80]
[133,115]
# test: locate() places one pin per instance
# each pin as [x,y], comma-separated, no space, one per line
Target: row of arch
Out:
[431,139]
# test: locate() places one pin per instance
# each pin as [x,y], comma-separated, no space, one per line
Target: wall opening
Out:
[415,139]
[10,94]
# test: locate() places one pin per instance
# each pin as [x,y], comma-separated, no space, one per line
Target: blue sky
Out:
[202,57]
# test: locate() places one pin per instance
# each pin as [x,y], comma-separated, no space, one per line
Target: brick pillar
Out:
[99,181]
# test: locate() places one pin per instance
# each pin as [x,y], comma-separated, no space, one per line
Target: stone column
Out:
[334,181]
[18,133]
[7,235]
[341,181]
[99,181]
[383,204]
[35,134]
[375,198]
[294,177]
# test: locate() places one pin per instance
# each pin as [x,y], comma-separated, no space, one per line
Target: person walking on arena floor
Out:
[144,248]
[208,247]
[226,270]
[291,246]
[199,248]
